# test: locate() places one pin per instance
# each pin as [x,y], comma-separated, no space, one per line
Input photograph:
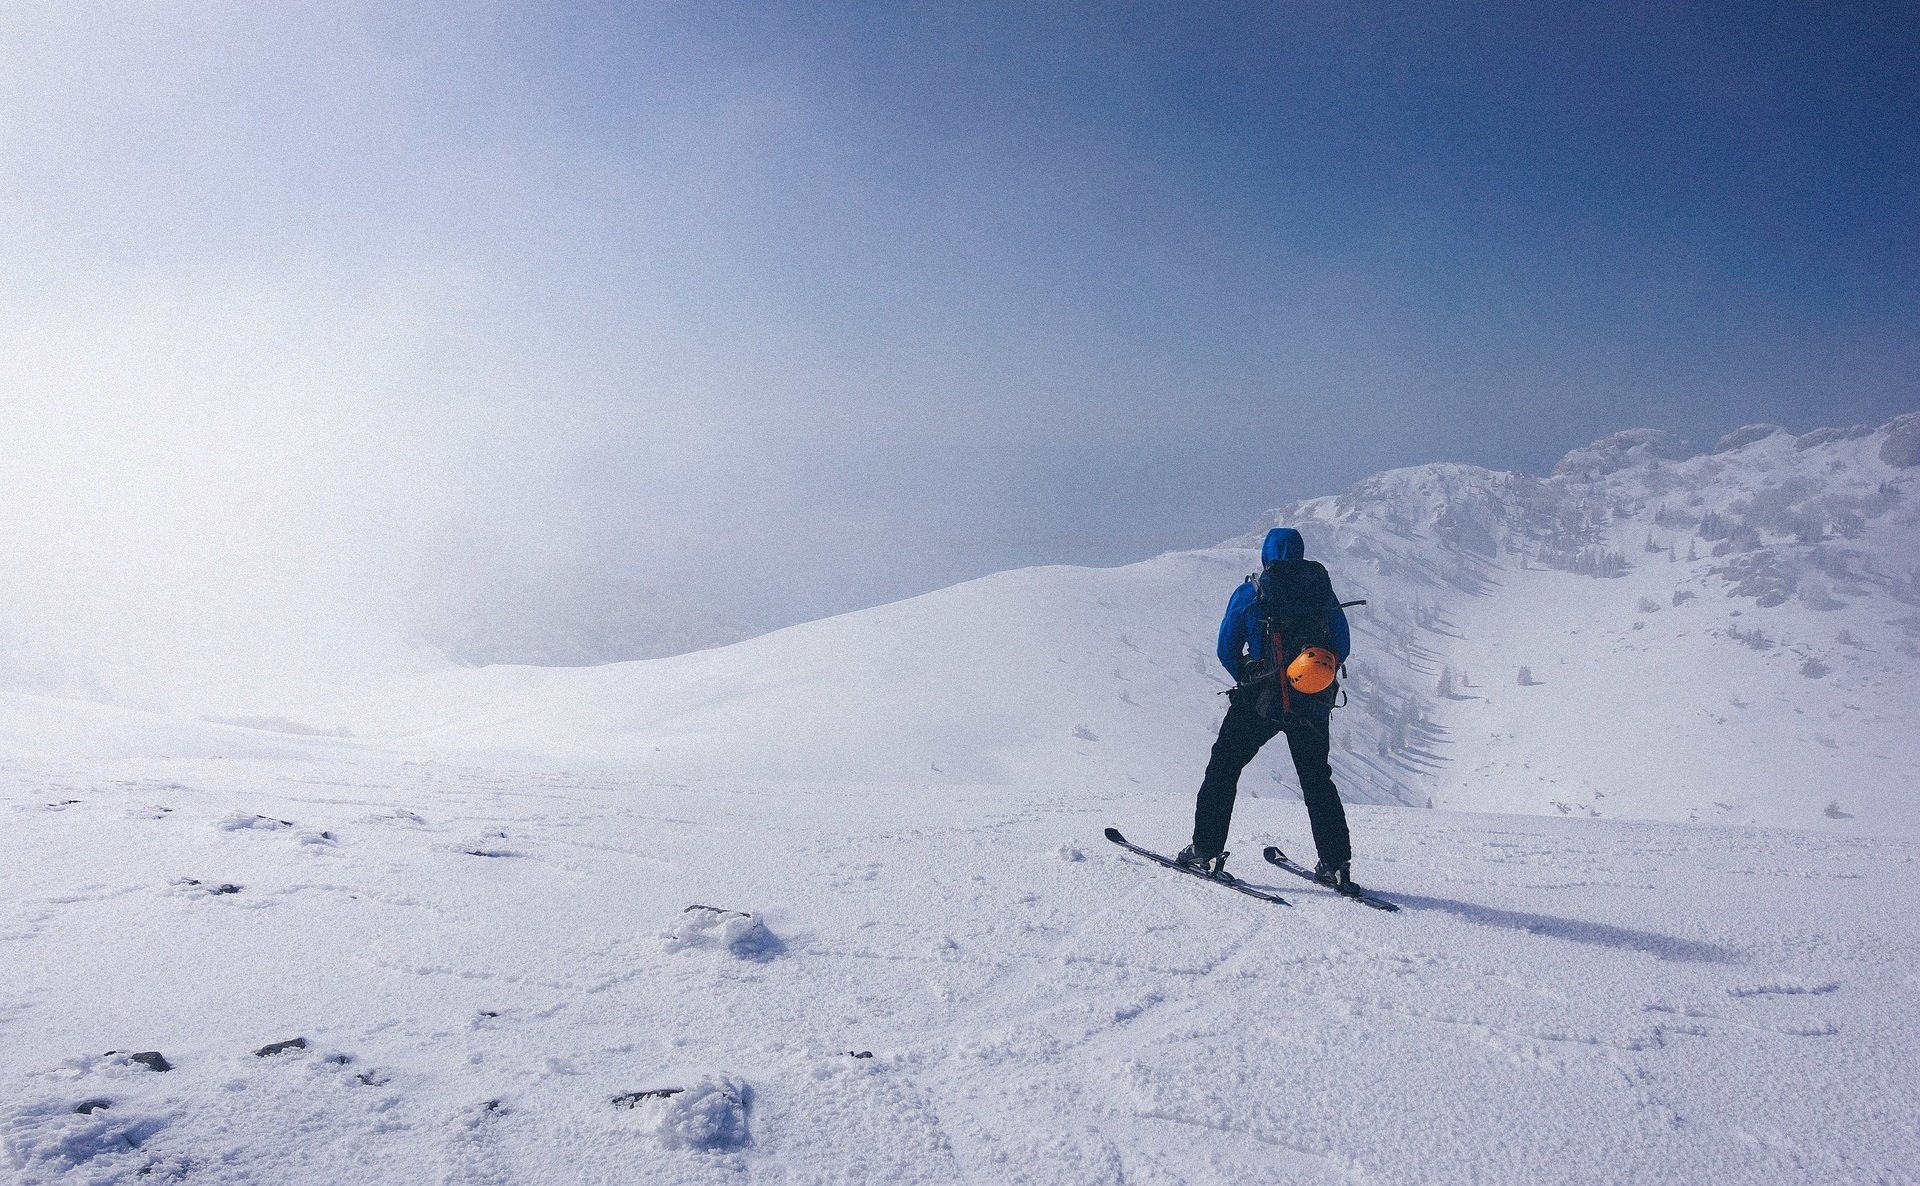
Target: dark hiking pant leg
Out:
[1324,812]
[1241,736]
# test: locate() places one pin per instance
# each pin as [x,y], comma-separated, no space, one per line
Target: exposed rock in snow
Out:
[1902,445]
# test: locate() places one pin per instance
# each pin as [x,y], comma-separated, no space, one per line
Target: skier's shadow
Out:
[1666,947]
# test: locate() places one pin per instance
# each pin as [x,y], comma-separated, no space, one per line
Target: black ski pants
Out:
[1241,736]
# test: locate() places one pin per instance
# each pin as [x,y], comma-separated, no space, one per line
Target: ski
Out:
[1276,857]
[1229,882]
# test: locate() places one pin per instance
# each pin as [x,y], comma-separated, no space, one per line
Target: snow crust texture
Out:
[965,987]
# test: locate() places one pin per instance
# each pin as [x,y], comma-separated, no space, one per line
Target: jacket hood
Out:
[1282,543]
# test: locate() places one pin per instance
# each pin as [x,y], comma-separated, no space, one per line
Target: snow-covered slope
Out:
[831,905]
[363,969]
[1077,677]
[1648,633]
[1645,634]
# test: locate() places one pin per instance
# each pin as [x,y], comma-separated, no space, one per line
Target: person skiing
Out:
[1282,621]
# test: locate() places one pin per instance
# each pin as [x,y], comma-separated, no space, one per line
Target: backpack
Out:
[1292,599]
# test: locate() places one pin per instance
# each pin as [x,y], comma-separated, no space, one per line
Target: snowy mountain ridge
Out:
[1646,633]
[1645,624]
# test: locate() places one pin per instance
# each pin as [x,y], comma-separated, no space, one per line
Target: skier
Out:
[1290,604]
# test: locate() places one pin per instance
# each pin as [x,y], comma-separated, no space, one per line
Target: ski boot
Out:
[1214,866]
[1338,877]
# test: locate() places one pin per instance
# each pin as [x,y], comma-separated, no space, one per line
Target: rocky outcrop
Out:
[1902,446]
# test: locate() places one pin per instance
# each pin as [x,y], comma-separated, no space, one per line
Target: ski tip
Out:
[1114,835]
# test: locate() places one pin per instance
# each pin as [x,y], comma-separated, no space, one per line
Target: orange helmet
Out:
[1312,670]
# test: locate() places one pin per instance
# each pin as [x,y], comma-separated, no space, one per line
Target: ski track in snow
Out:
[1558,1000]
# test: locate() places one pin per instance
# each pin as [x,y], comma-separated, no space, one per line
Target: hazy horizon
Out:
[314,311]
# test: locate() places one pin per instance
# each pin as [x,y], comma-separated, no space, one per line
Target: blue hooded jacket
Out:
[1240,635]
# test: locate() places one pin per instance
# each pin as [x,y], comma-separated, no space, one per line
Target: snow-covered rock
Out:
[1740,438]
[735,932]
[1901,448]
[1633,446]
[709,1115]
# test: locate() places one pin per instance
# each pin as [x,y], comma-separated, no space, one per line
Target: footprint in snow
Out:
[398,815]
[194,887]
[474,850]
[1785,988]
[487,846]
[243,821]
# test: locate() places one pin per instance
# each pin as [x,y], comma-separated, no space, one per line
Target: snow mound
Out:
[1830,436]
[710,928]
[78,1141]
[708,1116]
[1750,434]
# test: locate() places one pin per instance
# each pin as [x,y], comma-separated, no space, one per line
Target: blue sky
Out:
[897,294]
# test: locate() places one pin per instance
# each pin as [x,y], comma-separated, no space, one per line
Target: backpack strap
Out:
[1280,674]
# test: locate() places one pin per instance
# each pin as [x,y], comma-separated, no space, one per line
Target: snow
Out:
[1764,680]
[833,904]
[487,958]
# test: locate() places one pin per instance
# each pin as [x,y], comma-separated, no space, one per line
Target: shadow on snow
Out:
[1666,947]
